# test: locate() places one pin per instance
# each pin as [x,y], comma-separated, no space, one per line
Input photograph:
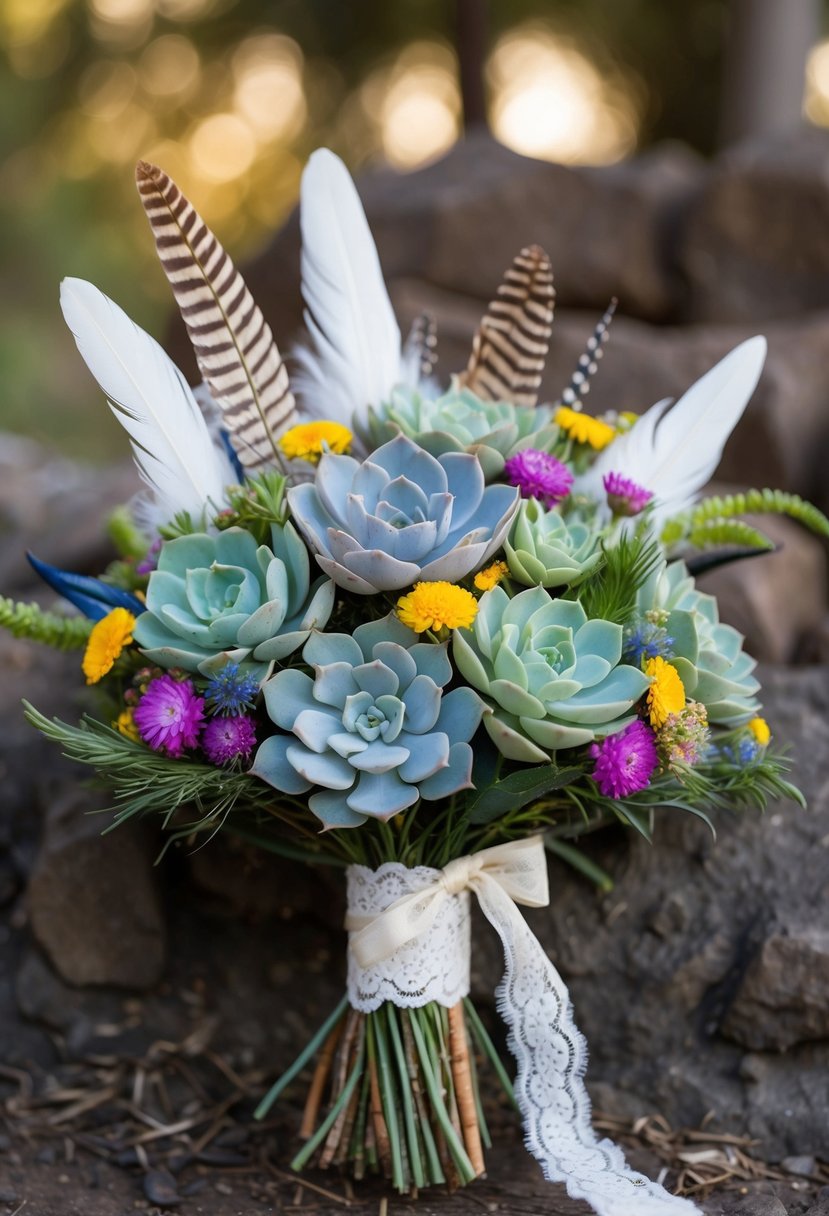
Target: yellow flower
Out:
[125,725]
[491,576]
[626,420]
[106,641]
[437,606]
[583,429]
[666,694]
[759,727]
[309,440]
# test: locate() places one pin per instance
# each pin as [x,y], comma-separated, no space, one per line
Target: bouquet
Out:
[424,632]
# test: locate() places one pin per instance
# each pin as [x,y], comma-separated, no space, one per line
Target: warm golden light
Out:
[129,12]
[106,88]
[268,92]
[415,103]
[169,67]
[550,101]
[222,148]
[816,96]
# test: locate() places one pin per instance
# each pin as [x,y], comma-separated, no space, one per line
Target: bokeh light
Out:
[268,91]
[816,94]
[414,104]
[550,101]
[169,68]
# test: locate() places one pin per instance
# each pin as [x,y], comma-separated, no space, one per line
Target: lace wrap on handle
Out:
[401,920]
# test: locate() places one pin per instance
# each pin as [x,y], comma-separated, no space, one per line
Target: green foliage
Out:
[712,513]
[181,525]
[129,542]
[509,794]
[256,505]
[610,594]
[721,533]
[31,621]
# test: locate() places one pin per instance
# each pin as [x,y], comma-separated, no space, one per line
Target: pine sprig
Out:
[33,622]
[610,594]
[718,508]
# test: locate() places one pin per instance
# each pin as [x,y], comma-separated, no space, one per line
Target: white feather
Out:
[355,356]
[149,396]
[673,450]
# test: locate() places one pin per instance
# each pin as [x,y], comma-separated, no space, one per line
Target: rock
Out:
[93,900]
[783,997]
[821,1208]
[802,1166]
[752,1205]
[743,256]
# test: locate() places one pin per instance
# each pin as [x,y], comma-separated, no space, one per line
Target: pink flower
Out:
[228,739]
[169,716]
[625,497]
[625,762]
[539,475]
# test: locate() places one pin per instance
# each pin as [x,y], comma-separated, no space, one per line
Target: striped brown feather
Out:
[234,346]
[588,363]
[510,347]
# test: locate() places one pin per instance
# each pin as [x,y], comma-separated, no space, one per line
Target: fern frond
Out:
[716,533]
[32,622]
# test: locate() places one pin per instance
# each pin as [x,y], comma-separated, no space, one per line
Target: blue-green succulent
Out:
[401,516]
[460,421]
[708,655]
[552,677]
[372,731]
[544,548]
[214,599]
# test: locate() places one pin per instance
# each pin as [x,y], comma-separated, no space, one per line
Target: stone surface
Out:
[757,242]
[783,997]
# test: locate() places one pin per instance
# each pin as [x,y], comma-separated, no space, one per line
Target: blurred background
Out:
[231,96]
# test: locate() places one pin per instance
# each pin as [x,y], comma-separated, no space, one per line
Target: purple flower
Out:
[539,475]
[149,561]
[625,762]
[169,716]
[625,497]
[228,739]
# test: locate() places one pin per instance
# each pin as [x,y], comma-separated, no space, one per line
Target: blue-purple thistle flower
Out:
[539,475]
[625,762]
[648,640]
[227,739]
[231,691]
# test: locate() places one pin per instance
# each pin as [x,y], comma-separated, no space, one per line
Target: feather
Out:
[234,347]
[420,353]
[94,598]
[355,359]
[673,450]
[588,363]
[510,346]
[151,399]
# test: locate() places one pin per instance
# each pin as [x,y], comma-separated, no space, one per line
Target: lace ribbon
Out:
[400,920]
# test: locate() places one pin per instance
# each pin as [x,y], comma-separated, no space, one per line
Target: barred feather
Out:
[234,347]
[510,347]
[420,349]
[588,363]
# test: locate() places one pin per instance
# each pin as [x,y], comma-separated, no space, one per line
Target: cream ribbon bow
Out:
[519,868]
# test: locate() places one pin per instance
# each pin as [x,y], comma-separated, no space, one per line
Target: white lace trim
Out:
[550,1051]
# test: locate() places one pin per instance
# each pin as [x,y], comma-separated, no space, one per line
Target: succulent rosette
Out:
[372,730]
[214,599]
[544,548]
[709,655]
[461,421]
[401,516]
[552,676]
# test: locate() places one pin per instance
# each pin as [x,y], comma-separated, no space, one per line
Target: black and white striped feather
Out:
[234,347]
[588,363]
[420,353]
[510,347]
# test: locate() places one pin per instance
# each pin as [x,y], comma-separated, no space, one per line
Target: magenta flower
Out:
[228,739]
[625,497]
[625,762]
[539,475]
[169,716]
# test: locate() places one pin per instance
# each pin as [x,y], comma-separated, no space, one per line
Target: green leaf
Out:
[575,858]
[515,791]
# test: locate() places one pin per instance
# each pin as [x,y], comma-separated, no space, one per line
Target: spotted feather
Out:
[234,346]
[588,363]
[510,347]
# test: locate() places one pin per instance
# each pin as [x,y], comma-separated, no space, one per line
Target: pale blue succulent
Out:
[460,421]
[372,732]
[544,548]
[552,677]
[401,516]
[709,656]
[214,599]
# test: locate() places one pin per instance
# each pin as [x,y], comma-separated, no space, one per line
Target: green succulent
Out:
[225,597]
[552,677]
[708,655]
[460,421]
[542,547]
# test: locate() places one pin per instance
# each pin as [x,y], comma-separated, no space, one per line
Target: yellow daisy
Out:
[108,638]
[309,440]
[666,694]
[125,725]
[759,727]
[583,429]
[437,606]
[491,576]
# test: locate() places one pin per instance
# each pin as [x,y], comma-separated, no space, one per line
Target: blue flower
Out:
[231,691]
[647,641]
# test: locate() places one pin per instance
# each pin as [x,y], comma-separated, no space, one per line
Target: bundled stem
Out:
[396,1092]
